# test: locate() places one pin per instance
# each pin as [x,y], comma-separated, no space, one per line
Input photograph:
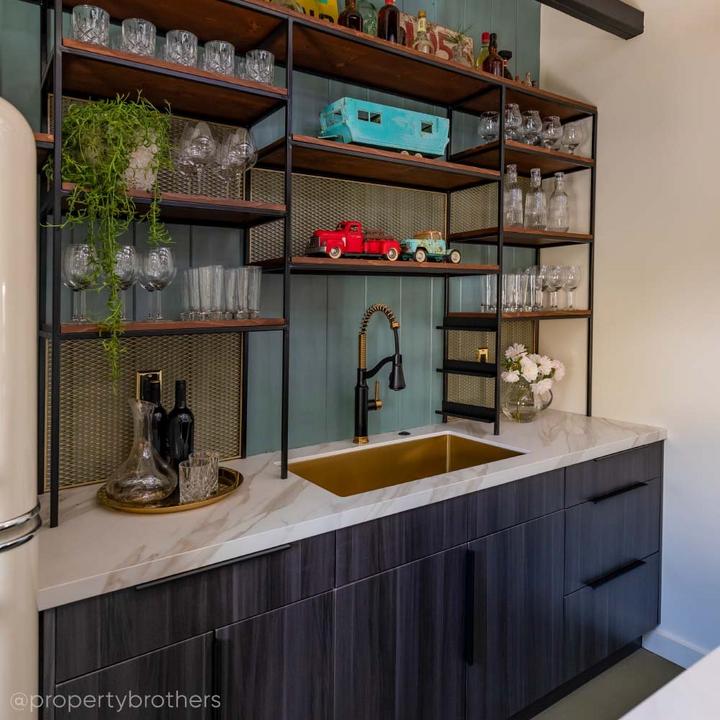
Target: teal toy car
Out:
[429,245]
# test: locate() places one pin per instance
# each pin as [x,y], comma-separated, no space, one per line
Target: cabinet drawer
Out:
[602,619]
[503,506]
[599,477]
[185,668]
[109,628]
[372,547]
[611,532]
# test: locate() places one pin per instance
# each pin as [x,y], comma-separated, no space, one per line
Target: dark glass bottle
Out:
[493,63]
[181,427]
[159,420]
[389,23]
[350,17]
[506,56]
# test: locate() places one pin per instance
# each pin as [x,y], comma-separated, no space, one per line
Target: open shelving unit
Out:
[307,45]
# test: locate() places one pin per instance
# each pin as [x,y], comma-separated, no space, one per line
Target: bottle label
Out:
[422,25]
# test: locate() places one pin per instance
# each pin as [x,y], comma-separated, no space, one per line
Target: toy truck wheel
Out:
[335,252]
[454,256]
[420,255]
[392,254]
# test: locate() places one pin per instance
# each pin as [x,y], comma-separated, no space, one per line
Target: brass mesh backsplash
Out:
[476,208]
[95,424]
[322,202]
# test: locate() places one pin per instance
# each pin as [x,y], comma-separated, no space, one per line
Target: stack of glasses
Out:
[217,293]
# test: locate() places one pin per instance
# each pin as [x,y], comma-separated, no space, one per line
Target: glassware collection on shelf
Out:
[216,293]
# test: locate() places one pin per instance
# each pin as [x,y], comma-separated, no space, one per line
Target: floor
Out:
[616,691]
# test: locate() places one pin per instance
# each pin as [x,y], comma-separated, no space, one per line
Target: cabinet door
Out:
[517,620]
[174,683]
[278,666]
[400,642]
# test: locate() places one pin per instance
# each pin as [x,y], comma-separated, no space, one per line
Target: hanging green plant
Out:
[109,149]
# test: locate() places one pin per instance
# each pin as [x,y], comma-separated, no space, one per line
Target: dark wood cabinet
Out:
[517,618]
[278,666]
[400,642]
[174,683]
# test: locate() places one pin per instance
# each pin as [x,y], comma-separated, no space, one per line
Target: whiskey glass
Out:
[219,57]
[181,48]
[91,24]
[138,37]
[260,66]
[195,480]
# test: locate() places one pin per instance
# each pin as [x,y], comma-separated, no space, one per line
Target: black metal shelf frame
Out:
[289,23]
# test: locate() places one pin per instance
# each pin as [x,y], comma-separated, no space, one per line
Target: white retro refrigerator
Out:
[19,520]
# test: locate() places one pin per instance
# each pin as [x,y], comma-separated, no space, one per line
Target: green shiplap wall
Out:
[325,311]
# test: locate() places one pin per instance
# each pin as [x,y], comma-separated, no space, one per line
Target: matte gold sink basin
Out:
[357,471]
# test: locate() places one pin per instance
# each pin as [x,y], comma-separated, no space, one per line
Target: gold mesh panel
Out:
[398,211]
[95,425]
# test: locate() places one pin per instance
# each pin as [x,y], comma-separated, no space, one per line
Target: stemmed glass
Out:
[571,277]
[551,132]
[531,127]
[157,271]
[126,271]
[196,149]
[571,138]
[488,129]
[236,154]
[79,268]
[513,122]
[554,281]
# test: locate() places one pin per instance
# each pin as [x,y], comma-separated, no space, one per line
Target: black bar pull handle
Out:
[206,568]
[615,574]
[619,491]
[470,608]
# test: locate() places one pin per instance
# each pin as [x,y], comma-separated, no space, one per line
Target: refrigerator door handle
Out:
[20,530]
[20,520]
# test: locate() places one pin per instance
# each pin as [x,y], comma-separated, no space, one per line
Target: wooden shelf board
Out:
[175,327]
[44,146]
[525,157]
[361,266]
[520,237]
[93,71]
[355,162]
[246,24]
[539,315]
[196,209]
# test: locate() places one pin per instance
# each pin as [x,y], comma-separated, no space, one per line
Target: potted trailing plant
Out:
[109,149]
[530,379]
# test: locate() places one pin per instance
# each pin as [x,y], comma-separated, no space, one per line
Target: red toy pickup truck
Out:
[351,239]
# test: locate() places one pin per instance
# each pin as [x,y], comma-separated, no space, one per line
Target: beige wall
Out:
[657,321]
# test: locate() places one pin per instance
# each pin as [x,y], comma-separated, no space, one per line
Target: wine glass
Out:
[572,137]
[571,278]
[157,271]
[236,154]
[531,127]
[126,272]
[78,266]
[552,132]
[488,129]
[195,151]
[554,280]
[513,122]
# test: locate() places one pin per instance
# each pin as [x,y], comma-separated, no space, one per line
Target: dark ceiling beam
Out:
[614,16]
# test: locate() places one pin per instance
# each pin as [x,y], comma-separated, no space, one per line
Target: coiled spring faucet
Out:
[396,380]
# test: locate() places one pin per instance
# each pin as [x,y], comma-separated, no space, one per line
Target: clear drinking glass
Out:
[242,293]
[213,457]
[240,67]
[138,37]
[231,296]
[157,271]
[91,24]
[571,278]
[536,203]
[181,47]
[510,292]
[234,156]
[219,57]
[196,480]
[513,198]
[530,290]
[254,279]
[513,122]
[552,132]
[126,271]
[260,66]
[559,206]
[554,281]
[195,151]
[572,137]
[78,274]
[191,294]
[489,126]
[211,292]
[531,127]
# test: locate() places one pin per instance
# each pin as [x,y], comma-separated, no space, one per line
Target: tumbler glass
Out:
[213,457]
[91,24]
[240,67]
[138,37]
[181,47]
[254,278]
[219,57]
[195,479]
[260,66]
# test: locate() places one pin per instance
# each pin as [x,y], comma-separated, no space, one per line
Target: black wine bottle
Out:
[180,427]
[159,420]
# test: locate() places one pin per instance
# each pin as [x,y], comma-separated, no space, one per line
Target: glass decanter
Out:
[536,207]
[559,208]
[144,478]
[513,202]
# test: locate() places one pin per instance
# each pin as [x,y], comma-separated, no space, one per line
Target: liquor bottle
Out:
[350,17]
[559,208]
[369,16]
[513,199]
[506,56]
[536,203]
[181,427]
[422,41]
[493,63]
[389,23]
[484,51]
[158,421]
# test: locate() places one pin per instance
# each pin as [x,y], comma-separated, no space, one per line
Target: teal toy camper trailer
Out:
[366,123]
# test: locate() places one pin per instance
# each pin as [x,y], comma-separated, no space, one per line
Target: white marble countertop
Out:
[694,694]
[95,550]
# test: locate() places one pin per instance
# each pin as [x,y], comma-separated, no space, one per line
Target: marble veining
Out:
[96,550]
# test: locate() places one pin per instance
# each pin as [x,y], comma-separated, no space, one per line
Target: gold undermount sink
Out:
[370,468]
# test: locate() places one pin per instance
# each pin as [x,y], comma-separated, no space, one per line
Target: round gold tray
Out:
[228,481]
